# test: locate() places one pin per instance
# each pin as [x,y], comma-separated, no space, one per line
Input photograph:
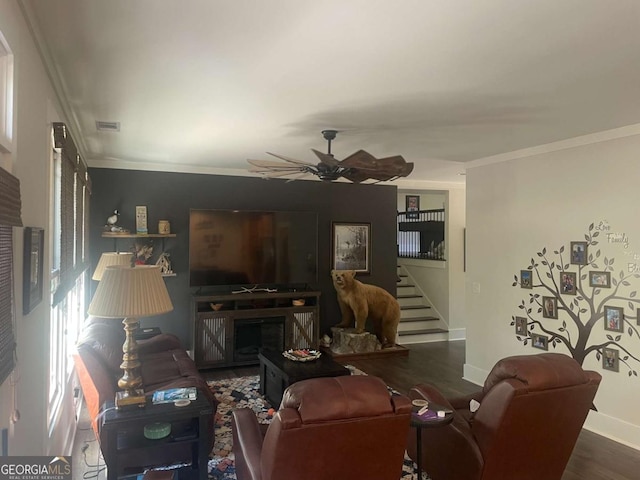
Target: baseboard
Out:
[614,429]
[457,334]
[474,374]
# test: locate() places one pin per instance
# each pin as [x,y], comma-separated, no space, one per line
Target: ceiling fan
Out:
[357,167]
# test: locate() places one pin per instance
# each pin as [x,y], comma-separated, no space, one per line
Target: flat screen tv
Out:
[231,247]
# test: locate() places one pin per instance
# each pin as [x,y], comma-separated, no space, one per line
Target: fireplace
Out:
[252,334]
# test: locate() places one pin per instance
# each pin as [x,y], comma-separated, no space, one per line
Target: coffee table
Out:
[277,373]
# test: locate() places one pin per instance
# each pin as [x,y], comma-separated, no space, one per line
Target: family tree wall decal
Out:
[571,303]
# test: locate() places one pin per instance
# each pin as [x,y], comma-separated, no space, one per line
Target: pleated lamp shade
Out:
[131,292]
[109,259]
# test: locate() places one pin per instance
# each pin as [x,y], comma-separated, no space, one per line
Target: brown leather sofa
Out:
[326,428]
[532,408]
[165,364]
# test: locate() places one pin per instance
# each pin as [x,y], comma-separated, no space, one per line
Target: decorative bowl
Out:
[302,355]
[299,302]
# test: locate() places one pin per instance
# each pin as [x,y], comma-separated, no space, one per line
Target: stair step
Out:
[413,307]
[422,331]
[418,319]
[408,295]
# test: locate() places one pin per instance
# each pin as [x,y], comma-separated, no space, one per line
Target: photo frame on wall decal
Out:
[33,268]
[613,319]
[600,279]
[579,253]
[351,247]
[526,279]
[539,341]
[521,327]
[412,206]
[610,359]
[568,283]
[549,307]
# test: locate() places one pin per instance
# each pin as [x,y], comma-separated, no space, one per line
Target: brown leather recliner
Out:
[532,408]
[326,428]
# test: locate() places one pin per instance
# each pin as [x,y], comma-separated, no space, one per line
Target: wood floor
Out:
[594,457]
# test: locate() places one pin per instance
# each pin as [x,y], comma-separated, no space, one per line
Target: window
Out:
[10,207]
[69,262]
[6,95]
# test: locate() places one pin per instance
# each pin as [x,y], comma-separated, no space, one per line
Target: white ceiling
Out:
[206,84]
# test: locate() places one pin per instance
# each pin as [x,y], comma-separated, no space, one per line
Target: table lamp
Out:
[109,259]
[130,293]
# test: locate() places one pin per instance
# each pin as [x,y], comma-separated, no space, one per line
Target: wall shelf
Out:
[118,236]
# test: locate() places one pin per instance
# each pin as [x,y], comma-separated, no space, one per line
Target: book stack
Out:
[173,395]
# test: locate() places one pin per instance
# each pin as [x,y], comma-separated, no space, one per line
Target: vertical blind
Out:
[10,206]
[74,211]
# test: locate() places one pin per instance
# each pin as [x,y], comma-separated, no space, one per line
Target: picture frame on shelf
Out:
[568,283]
[600,279]
[614,319]
[539,341]
[610,359]
[351,247]
[549,307]
[522,327]
[579,253]
[412,206]
[526,279]
[33,268]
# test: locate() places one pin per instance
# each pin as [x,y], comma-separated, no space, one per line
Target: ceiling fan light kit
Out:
[357,167]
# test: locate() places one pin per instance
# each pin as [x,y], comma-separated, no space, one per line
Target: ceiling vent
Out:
[107,126]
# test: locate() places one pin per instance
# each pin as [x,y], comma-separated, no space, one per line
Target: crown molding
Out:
[603,136]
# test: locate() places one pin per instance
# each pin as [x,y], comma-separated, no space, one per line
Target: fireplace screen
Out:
[250,335]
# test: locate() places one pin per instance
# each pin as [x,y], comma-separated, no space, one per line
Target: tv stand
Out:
[217,317]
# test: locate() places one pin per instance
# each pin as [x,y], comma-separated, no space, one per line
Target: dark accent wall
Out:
[170,196]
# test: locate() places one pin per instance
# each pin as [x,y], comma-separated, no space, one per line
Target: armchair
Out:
[339,428]
[532,408]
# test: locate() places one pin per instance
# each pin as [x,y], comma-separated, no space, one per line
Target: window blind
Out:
[74,208]
[10,207]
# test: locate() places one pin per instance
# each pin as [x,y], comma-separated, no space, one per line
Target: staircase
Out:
[419,322]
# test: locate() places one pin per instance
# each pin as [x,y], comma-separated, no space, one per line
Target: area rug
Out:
[244,392]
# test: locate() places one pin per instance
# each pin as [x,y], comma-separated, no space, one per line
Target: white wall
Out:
[29,161]
[517,208]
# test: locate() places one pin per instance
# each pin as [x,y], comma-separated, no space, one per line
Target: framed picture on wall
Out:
[412,206]
[32,274]
[610,359]
[568,283]
[600,279]
[613,319]
[549,307]
[539,341]
[526,279]
[521,326]
[579,253]
[351,247]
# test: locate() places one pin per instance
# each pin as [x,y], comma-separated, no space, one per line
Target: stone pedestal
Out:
[346,340]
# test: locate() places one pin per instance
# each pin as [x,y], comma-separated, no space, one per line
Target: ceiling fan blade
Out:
[290,160]
[359,159]
[274,174]
[270,164]
[326,158]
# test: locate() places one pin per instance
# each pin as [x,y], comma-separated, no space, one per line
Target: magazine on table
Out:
[173,394]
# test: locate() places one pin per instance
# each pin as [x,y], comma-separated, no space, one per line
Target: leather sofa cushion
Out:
[334,398]
[539,372]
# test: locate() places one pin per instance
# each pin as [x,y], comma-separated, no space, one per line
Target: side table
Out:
[420,422]
[127,451]
[277,373]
